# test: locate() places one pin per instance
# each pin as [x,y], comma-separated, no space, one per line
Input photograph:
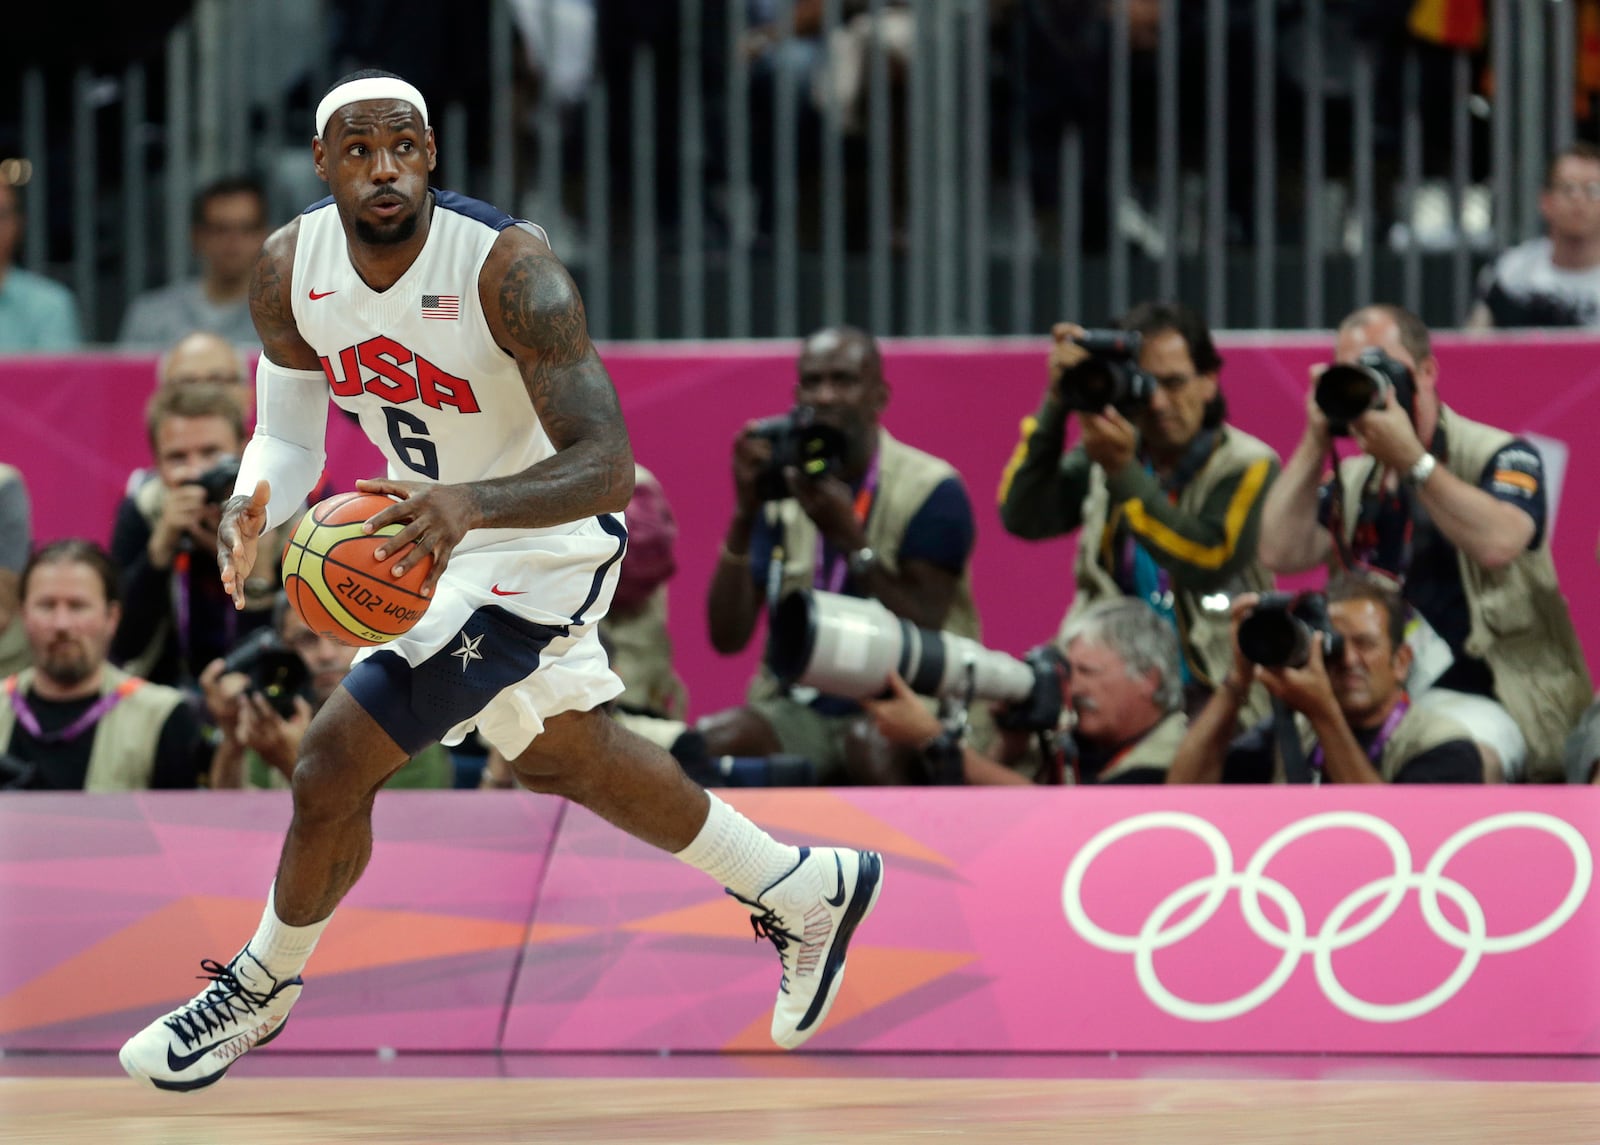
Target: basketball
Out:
[335,583]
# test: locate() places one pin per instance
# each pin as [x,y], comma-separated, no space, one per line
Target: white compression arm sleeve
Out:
[287,449]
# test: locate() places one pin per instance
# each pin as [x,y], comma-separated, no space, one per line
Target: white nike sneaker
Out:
[809,915]
[193,1046]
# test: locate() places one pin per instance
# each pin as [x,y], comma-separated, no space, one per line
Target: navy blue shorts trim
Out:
[617,529]
[416,706]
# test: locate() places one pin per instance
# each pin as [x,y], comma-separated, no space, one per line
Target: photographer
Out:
[178,617]
[1339,665]
[870,518]
[72,722]
[1167,494]
[263,696]
[1122,689]
[1461,522]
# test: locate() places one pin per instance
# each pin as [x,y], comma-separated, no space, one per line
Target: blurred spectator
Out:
[635,628]
[178,617]
[206,358]
[880,520]
[1554,280]
[36,313]
[16,542]
[1462,522]
[228,223]
[72,721]
[1169,503]
[1122,686]
[260,743]
[1352,721]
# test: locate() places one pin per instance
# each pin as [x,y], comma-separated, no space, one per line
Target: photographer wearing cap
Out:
[1122,694]
[1336,666]
[72,722]
[263,695]
[178,617]
[1460,522]
[827,499]
[1166,494]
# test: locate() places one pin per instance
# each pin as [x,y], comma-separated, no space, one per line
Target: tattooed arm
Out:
[536,316]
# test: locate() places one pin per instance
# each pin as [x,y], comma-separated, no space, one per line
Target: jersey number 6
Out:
[416,451]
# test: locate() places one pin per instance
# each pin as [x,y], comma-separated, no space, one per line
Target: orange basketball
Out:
[336,585]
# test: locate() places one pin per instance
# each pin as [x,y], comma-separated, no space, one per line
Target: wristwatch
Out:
[1417,476]
[861,562]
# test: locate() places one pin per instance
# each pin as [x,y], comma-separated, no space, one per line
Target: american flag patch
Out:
[441,306]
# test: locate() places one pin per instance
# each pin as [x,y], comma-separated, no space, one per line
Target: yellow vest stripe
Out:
[1192,552]
[1018,456]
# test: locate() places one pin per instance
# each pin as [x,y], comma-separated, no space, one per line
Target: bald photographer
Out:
[1456,512]
[1165,495]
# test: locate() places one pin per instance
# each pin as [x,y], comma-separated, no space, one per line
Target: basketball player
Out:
[459,341]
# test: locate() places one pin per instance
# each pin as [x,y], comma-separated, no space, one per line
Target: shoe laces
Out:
[769,924]
[227,1000]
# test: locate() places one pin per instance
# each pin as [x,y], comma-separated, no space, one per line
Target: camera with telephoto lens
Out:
[847,646]
[798,442]
[1280,630]
[1110,376]
[1346,391]
[274,670]
[218,481]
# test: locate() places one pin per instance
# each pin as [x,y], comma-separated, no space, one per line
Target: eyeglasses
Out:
[1590,191]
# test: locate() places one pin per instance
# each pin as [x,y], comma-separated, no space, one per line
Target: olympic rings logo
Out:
[1292,939]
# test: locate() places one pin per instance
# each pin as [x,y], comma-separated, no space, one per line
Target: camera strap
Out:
[1290,752]
[96,712]
[182,604]
[1359,552]
[830,574]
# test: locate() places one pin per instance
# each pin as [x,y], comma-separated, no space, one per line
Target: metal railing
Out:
[939,211]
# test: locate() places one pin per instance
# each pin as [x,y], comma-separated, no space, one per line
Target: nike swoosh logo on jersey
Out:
[837,900]
[498,591]
[315,296]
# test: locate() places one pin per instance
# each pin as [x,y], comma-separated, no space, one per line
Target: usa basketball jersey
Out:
[416,363]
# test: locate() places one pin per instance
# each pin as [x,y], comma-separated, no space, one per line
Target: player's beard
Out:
[389,234]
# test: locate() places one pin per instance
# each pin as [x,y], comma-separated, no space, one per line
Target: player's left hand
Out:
[1109,439]
[436,517]
[831,507]
[1388,435]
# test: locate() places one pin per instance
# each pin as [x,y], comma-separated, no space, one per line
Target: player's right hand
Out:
[244,519]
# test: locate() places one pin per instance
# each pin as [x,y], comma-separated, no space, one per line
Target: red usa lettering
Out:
[395,374]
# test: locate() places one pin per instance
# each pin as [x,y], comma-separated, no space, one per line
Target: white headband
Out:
[374,87]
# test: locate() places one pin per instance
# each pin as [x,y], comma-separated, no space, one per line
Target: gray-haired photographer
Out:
[1335,664]
[1456,511]
[1102,705]
[1165,495]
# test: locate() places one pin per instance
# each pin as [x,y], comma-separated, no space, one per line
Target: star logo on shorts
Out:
[469,649]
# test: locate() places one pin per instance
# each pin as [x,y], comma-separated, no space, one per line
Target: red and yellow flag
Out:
[1451,23]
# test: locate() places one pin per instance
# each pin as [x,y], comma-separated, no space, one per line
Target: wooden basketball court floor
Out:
[801,1100]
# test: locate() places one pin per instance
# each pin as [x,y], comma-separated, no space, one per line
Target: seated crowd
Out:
[1438,649]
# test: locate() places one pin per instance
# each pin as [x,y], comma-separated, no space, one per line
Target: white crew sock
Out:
[737,853]
[283,949]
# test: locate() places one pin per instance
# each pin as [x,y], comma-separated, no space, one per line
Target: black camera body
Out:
[1279,631]
[1040,710]
[798,442]
[1110,376]
[218,481]
[1345,392]
[275,670]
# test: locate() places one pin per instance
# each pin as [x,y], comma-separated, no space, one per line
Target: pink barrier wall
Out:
[1449,921]
[74,428]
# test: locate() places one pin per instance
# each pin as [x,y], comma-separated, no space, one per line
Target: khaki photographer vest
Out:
[1520,624]
[906,478]
[123,757]
[1156,749]
[1419,730]
[1205,636]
